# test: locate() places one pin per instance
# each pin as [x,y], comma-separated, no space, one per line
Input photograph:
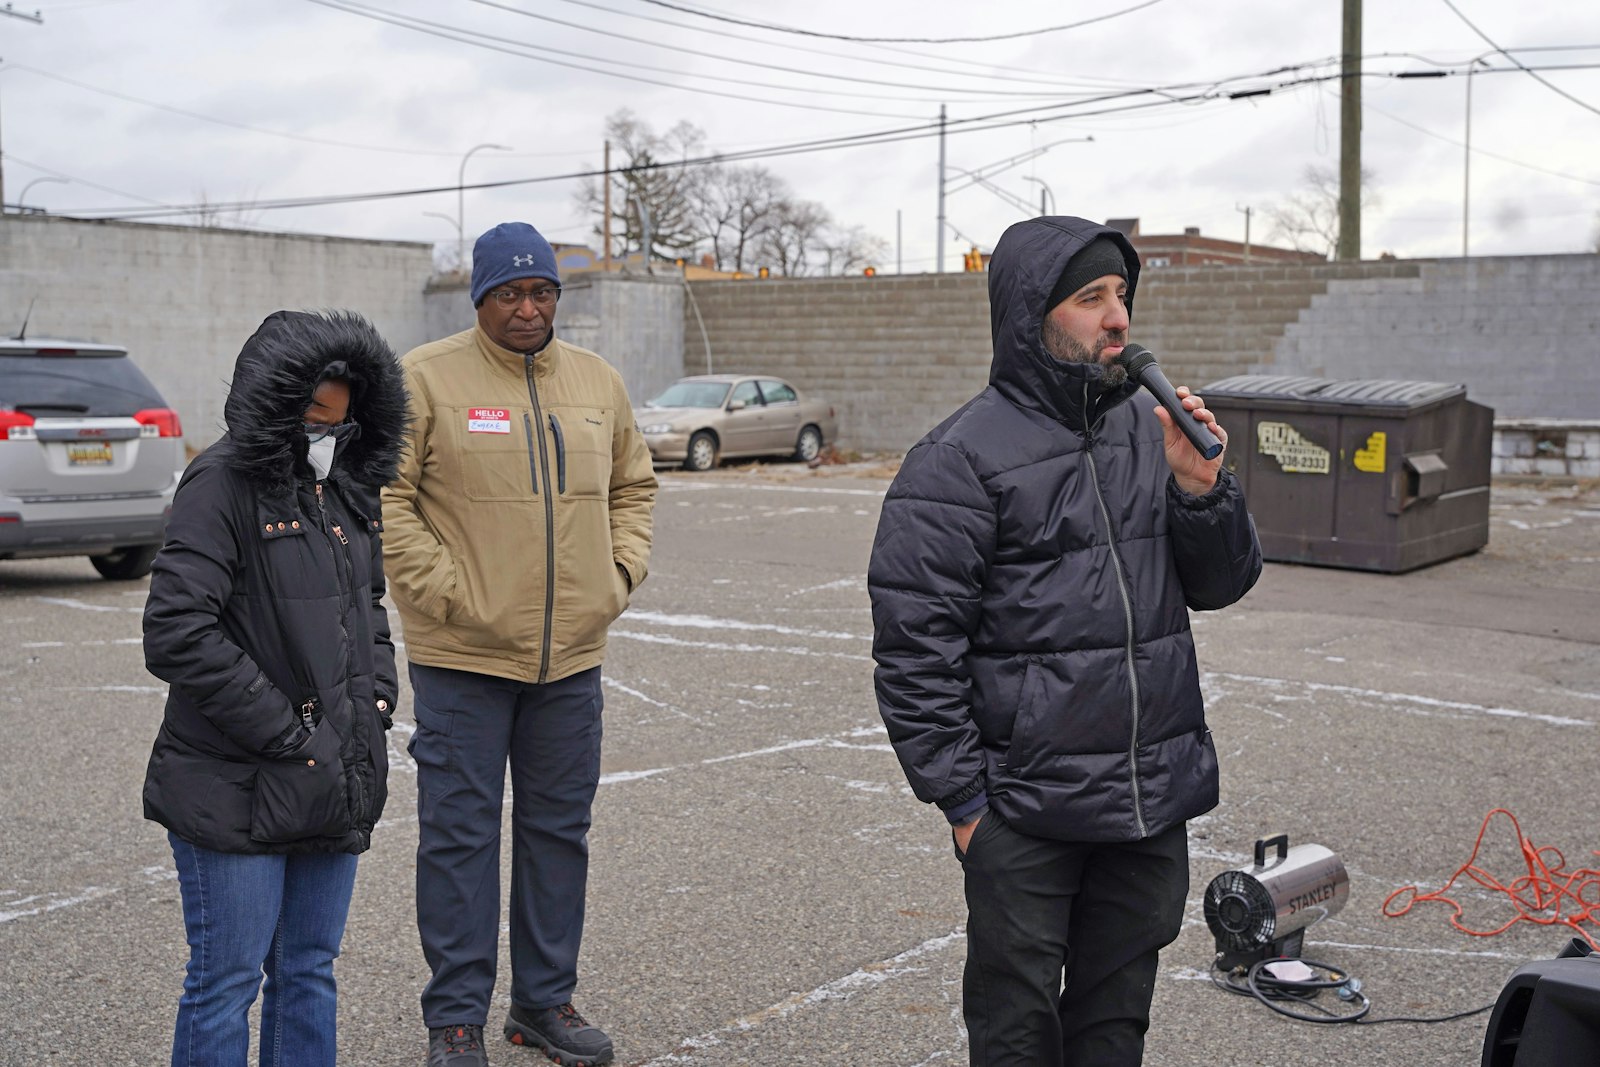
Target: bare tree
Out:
[661,194]
[733,207]
[211,215]
[789,243]
[1309,219]
[847,250]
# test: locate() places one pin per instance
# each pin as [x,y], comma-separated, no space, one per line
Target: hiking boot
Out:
[563,1034]
[456,1046]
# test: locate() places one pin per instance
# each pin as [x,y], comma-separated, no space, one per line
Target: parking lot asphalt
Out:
[764,889]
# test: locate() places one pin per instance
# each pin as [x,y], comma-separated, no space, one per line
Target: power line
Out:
[1010,76]
[900,40]
[1547,84]
[14,158]
[993,121]
[303,138]
[1118,102]
[1476,151]
[943,89]
[449,33]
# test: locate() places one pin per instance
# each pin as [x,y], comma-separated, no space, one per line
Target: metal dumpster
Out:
[1367,474]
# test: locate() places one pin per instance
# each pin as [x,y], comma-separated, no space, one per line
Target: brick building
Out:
[1189,249]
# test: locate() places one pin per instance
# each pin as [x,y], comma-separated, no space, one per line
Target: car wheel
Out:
[125,564]
[809,445]
[702,452]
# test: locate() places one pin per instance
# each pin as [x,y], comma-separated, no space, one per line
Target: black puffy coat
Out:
[264,613]
[1029,581]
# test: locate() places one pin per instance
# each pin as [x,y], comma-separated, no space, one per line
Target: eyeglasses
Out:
[316,431]
[544,296]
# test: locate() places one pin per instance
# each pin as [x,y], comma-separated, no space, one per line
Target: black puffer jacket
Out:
[1029,585]
[266,598]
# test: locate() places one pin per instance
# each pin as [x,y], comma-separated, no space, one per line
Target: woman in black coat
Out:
[265,618]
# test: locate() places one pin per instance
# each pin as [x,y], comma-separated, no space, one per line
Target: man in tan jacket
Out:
[515,531]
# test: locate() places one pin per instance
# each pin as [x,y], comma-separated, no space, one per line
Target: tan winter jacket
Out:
[525,495]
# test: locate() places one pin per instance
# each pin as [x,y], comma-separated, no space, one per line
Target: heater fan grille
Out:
[1240,912]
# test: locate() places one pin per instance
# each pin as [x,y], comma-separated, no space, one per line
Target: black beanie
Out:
[1096,259]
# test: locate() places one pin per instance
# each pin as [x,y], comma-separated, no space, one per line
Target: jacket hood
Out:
[277,371]
[1028,259]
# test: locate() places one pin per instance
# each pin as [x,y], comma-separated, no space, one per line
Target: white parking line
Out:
[706,622]
[844,988]
[81,605]
[672,484]
[1421,705]
[720,646]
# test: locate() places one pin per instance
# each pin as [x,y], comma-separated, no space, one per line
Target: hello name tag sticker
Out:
[488,420]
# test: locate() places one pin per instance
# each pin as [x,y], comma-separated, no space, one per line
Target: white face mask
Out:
[320,455]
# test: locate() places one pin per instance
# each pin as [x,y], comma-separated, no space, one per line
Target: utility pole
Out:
[1247,211]
[1350,135]
[605,225]
[938,266]
[897,268]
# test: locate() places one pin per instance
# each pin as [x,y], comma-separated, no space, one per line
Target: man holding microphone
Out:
[1031,579]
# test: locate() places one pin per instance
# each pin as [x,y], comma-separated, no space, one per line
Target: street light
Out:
[1044,192]
[461,201]
[23,195]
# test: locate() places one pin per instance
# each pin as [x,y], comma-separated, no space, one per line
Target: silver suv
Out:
[90,455]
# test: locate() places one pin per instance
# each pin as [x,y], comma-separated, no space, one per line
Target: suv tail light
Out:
[18,425]
[162,421]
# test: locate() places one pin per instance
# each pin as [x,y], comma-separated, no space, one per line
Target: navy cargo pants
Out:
[1062,944]
[468,727]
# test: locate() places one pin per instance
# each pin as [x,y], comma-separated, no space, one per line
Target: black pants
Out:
[1062,944]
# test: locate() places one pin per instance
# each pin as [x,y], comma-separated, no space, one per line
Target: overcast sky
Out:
[166,102]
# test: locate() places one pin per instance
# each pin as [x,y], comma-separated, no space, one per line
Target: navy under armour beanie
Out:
[510,251]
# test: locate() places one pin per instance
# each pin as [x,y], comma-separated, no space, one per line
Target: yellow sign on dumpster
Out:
[1371,458]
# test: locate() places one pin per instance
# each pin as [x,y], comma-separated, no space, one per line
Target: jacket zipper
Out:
[1127,614]
[561,455]
[549,529]
[344,576]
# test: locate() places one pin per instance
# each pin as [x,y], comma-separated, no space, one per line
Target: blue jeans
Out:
[469,726]
[245,916]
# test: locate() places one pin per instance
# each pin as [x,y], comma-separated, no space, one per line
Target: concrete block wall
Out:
[636,322]
[1522,333]
[1206,323]
[183,299]
[893,355]
[897,354]
[1561,448]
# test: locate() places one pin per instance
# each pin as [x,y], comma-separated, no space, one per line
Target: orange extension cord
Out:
[1558,896]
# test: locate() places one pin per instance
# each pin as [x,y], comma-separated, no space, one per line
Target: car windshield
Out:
[692,395]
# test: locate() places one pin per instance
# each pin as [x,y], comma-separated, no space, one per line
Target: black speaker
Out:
[1548,1015]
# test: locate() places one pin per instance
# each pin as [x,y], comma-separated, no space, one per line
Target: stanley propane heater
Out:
[1260,912]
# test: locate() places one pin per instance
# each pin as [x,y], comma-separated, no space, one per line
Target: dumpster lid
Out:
[1400,394]
[1242,385]
[1367,392]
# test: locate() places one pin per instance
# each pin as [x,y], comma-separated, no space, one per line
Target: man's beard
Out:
[1063,346]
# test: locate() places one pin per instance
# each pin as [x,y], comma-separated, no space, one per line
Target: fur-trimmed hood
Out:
[277,371]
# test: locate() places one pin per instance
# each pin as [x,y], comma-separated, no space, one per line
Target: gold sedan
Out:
[701,421]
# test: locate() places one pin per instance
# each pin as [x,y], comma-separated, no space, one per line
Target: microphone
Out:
[1141,367]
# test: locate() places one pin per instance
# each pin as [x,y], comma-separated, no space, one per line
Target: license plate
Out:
[97,454]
